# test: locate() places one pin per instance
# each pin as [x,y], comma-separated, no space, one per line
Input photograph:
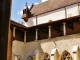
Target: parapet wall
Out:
[46,45]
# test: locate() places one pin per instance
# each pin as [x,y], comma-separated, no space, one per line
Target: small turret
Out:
[26,13]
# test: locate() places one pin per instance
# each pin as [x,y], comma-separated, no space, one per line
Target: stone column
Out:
[36,34]
[64,28]
[49,31]
[24,36]
[14,31]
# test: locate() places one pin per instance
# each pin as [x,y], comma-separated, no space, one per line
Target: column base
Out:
[36,40]
[49,38]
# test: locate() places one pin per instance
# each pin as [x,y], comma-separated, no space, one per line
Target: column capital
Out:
[49,26]
[14,27]
[64,23]
[36,29]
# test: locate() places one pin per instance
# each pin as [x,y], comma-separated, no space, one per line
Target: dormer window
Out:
[24,11]
[46,56]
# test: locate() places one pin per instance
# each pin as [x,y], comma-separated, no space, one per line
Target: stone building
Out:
[51,32]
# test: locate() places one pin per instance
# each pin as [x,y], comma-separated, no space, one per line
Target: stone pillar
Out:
[76,53]
[49,31]
[36,34]
[54,54]
[14,31]
[64,28]
[24,36]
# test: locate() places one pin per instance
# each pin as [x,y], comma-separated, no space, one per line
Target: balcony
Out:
[25,17]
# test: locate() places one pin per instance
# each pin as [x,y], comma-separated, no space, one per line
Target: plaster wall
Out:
[53,15]
[61,43]
[72,10]
[31,22]
[17,49]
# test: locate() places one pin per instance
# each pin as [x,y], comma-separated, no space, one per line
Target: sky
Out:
[17,7]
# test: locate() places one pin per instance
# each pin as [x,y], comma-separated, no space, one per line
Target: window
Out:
[30,58]
[66,56]
[46,56]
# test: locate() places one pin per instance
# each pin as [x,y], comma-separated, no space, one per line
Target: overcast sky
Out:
[17,7]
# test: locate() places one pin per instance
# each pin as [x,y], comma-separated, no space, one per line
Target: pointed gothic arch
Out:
[30,57]
[19,57]
[46,56]
[65,55]
[16,57]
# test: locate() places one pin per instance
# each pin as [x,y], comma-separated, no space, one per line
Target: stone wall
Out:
[45,46]
[17,49]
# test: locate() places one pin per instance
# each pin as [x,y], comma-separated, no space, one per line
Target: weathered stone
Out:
[60,43]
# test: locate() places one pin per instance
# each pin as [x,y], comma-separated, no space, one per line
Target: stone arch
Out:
[65,55]
[46,56]
[16,57]
[30,57]
[19,57]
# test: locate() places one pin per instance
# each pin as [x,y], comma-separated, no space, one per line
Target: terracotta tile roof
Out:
[51,5]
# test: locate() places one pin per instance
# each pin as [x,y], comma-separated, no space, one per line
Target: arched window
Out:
[46,56]
[66,56]
[30,58]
